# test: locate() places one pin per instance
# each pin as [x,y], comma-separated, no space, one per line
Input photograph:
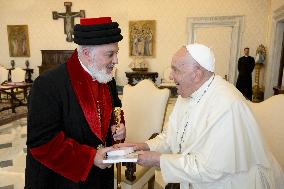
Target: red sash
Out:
[92,96]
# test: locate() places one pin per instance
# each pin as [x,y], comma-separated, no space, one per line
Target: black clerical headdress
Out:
[96,31]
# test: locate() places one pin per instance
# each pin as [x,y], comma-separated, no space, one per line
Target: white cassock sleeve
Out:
[159,143]
[179,168]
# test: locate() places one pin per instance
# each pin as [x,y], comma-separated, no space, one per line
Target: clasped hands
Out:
[146,157]
[118,133]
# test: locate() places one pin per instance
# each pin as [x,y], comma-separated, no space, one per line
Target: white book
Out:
[120,152]
[132,157]
[124,154]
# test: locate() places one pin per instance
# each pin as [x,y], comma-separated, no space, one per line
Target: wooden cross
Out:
[68,17]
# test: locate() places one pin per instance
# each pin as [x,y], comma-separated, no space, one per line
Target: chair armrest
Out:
[131,167]
[130,170]
[172,186]
[153,135]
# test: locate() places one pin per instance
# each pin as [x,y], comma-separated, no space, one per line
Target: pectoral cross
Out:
[68,17]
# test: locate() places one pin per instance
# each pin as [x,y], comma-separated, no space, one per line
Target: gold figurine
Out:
[117,120]
[117,117]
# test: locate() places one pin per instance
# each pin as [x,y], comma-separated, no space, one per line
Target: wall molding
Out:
[272,69]
[237,24]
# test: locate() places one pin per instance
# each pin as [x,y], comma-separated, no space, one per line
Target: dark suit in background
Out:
[244,82]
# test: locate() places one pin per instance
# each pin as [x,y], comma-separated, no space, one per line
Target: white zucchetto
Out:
[202,55]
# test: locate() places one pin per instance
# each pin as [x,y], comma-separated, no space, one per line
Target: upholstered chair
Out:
[270,117]
[144,107]
[3,78]
[114,72]
[18,75]
[3,74]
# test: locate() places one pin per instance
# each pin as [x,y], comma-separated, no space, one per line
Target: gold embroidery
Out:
[99,112]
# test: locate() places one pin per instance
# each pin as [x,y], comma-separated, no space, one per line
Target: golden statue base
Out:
[257,94]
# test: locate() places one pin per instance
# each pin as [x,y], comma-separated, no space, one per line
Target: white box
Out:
[120,152]
[118,159]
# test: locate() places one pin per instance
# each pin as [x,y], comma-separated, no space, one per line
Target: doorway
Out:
[272,69]
[227,51]
[219,40]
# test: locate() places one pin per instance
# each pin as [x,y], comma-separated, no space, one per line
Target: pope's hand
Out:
[118,133]
[148,158]
[100,155]
[136,146]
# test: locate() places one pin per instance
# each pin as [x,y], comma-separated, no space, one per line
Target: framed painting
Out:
[18,38]
[142,38]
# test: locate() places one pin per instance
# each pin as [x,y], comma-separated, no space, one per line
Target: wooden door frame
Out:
[272,67]
[237,24]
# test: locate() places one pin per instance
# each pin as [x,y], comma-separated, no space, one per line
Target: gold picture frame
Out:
[18,38]
[142,37]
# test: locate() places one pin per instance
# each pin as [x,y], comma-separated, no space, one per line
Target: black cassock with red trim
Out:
[64,128]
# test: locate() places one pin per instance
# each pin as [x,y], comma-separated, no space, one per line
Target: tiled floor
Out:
[13,152]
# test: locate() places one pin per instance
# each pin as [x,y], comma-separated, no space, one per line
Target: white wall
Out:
[211,37]
[275,4]
[170,16]
[274,39]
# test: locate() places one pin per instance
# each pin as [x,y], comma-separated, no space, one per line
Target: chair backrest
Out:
[3,74]
[270,116]
[144,107]
[18,75]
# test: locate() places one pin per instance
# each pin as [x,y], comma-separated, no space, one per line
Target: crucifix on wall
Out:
[68,17]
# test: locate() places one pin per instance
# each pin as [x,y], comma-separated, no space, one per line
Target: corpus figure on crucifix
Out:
[68,17]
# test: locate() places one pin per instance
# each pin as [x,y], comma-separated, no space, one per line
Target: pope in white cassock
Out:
[212,139]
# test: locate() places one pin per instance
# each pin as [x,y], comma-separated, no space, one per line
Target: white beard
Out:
[101,76]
